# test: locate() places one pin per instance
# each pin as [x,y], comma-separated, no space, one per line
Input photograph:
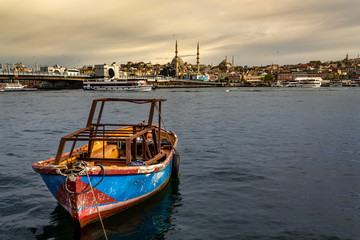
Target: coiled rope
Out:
[82,169]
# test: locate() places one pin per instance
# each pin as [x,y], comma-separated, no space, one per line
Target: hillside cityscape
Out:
[345,71]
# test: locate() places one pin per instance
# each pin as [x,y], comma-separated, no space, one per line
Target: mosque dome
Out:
[181,62]
[225,64]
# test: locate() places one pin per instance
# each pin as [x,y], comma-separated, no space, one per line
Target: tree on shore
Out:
[268,78]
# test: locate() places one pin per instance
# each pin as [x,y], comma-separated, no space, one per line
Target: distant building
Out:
[87,70]
[53,70]
[236,78]
[199,77]
[72,72]
[107,71]
[19,67]
[254,79]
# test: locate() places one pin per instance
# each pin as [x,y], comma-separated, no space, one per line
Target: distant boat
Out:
[335,84]
[120,165]
[15,86]
[308,82]
[117,84]
[288,83]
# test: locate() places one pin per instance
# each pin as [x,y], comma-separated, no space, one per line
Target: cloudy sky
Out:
[87,32]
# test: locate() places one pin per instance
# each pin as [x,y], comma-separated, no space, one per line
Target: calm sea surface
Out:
[256,163]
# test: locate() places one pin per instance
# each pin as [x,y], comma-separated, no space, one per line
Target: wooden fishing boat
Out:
[115,167]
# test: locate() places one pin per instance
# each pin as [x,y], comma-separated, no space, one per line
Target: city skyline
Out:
[261,33]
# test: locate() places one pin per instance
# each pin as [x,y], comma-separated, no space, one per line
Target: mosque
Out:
[225,64]
[182,68]
[193,72]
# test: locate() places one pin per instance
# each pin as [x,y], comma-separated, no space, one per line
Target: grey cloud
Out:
[254,32]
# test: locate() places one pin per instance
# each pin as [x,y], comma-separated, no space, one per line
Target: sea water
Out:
[256,163]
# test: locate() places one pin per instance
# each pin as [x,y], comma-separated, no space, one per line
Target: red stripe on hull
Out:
[87,215]
[75,202]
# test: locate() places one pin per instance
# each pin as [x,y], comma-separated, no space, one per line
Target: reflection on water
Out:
[148,220]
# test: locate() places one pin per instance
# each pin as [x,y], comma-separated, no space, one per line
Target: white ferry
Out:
[14,86]
[289,83]
[309,82]
[117,84]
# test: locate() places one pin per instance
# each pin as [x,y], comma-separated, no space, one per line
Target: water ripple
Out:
[255,164]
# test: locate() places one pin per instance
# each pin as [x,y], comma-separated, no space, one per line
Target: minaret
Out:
[232,63]
[176,61]
[198,59]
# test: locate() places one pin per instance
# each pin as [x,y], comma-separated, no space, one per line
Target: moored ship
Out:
[308,82]
[15,86]
[117,84]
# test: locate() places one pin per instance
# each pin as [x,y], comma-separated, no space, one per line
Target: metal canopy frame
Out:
[97,131]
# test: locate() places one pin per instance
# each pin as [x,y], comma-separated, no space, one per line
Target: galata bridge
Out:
[65,81]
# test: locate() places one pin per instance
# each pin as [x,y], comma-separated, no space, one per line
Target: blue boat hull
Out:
[113,192]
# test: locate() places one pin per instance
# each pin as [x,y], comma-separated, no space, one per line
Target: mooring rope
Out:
[82,169]
[96,204]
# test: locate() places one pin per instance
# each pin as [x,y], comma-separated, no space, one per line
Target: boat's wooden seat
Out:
[166,146]
[109,151]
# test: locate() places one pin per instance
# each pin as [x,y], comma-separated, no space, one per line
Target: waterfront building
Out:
[107,71]
[19,67]
[255,79]
[236,78]
[53,70]
[285,75]
[72,72]
[200,77]
[87,70]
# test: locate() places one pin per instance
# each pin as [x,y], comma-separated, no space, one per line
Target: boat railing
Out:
[133,137]
[144,138]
